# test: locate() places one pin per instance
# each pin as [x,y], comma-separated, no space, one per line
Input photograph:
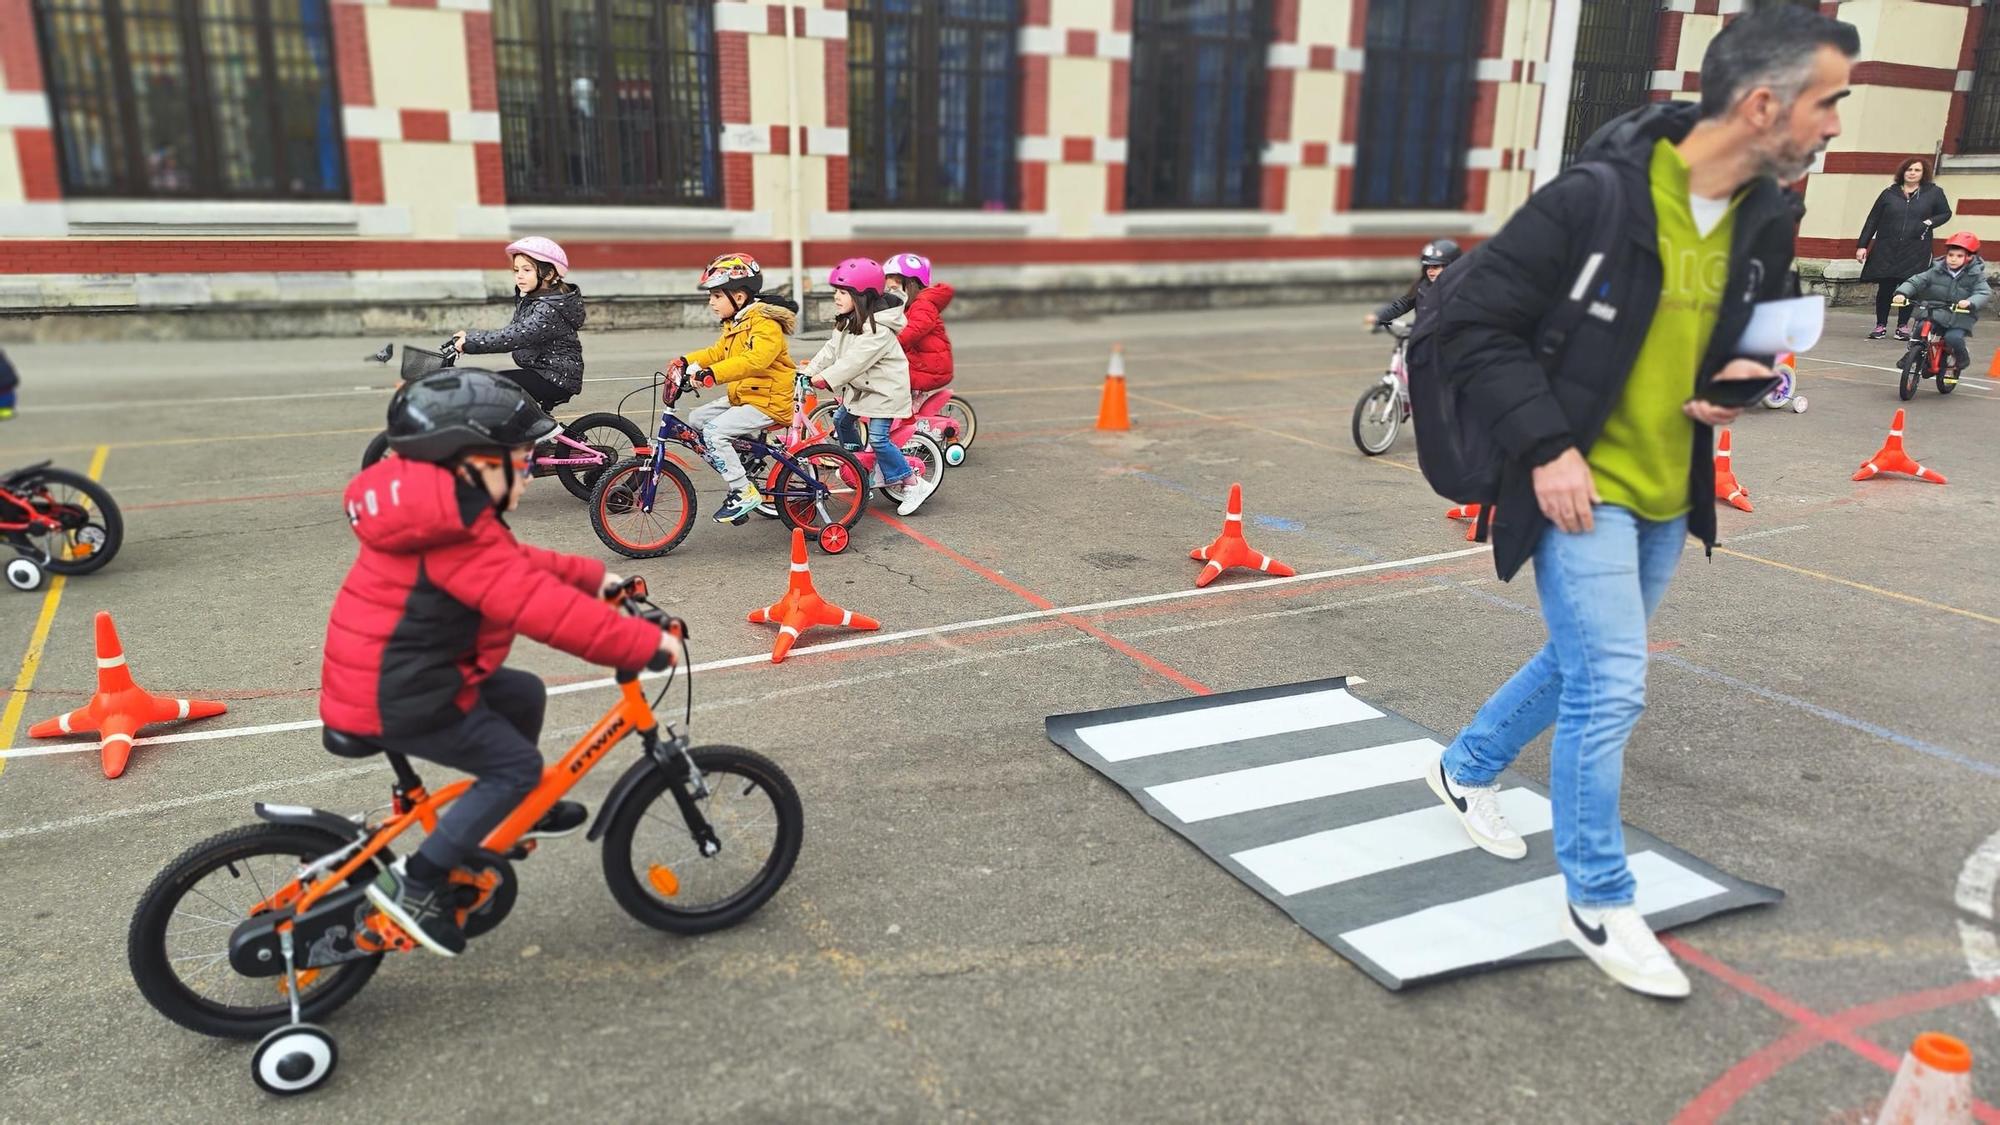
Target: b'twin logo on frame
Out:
[597,746]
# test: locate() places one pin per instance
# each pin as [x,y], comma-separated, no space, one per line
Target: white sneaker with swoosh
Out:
[1618,940]
[1478,809]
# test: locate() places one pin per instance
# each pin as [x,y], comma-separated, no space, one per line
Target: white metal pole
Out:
[1557,78]
[798,136]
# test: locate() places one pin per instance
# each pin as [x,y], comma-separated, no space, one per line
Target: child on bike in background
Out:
[1434,257]
[8,381]
[421,627]
[548,311]
[752,361]
[864,364]
[1957,283]
[924,339]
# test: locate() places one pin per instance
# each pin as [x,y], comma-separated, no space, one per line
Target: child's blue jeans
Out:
[895,467]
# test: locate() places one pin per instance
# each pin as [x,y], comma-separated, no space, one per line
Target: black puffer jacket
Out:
[1897,227]
[542,337]
[1540,406]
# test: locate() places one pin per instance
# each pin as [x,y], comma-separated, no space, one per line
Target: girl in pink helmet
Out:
[548,311]
[924,339]
[864,364]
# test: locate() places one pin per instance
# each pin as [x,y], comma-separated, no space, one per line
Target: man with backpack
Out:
[1578,345]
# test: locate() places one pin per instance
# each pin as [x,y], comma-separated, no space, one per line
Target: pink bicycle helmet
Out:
[863,275]
[909,265]
[542,250]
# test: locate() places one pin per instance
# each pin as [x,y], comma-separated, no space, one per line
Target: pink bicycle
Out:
[923,451]
[941,416]
[1385,406]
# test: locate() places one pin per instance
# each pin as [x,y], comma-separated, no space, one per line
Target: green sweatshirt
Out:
[1642,460]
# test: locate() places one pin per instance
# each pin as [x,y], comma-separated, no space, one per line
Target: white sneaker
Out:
[1478,808]
[916,490]
[1620,942]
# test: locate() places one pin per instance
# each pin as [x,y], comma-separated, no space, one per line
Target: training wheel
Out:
[293,1059]
[24,574]
[833,539]
[1799,405]
[954,455]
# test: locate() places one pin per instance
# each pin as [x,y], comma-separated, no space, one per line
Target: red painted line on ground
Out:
[1156,666]
[233,499]
[1810,1031]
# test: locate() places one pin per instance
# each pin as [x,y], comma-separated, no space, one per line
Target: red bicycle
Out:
[58,522]
[1927,357]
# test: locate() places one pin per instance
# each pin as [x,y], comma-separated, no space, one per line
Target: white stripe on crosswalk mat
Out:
[1324,858]
[1508,922]
[1303,779]
[1215,726]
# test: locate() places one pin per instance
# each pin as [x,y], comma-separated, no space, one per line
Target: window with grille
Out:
[930,103]
[1197,103]
[1416,104]
[1982,105]
[1613,69]
[196,99]
[608,101]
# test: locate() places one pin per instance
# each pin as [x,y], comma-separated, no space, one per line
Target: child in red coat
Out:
[923,338]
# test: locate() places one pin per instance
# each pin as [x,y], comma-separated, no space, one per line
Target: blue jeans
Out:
[1597,589]
[895,467]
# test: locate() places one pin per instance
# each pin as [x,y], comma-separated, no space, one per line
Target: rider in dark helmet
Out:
[1434,257]
[424,619]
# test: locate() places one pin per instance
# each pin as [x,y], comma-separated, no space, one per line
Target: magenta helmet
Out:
[909,265]
[542,250]
[863,275]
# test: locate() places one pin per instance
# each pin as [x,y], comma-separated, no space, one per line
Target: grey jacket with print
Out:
[868,369]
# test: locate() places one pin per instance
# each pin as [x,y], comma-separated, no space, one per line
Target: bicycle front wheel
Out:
[612,436]
[1378,418]
[623,522]
[705,857]
[89,528]
[1912,373]
[179,942]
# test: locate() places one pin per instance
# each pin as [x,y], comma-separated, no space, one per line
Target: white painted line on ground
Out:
[1219,726]
[1976,884]
[1303,779]
[1323,859]
[1965,382]
[1766,533]
[865,641]
[1508,922]
[193,799]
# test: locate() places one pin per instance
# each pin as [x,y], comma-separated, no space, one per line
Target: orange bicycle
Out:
[261,929]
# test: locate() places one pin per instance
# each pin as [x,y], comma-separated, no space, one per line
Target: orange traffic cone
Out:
[1727,489]
[1993,365]
[1933,1086]
[802,608]
[1470,514]
[1891,458]
[120,706]
[1111,414]
[1230,549]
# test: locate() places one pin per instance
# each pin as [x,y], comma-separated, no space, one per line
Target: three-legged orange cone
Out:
[1230,549]
[1933,1086]
[1111,413]
[120,706]
[1727,489]
[802,608]
[1891,458]
[1470,514]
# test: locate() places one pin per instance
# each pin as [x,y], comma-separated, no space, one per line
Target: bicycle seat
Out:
[348,745]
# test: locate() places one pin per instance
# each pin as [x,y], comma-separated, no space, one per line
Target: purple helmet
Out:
[863,275]
[541,250]
[909,265]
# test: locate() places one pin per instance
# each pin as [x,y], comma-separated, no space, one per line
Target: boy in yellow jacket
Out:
[752,361]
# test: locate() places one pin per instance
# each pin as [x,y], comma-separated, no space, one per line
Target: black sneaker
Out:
[563,818]
[1881,330]
[420,909]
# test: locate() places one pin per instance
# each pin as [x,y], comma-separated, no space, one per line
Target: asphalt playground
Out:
[981,928]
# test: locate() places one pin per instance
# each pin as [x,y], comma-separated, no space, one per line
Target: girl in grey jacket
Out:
[864,364]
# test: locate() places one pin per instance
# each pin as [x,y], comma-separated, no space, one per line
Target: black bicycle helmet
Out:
[443,415]
[1442,252]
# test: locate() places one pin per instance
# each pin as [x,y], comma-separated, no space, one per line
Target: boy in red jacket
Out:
[426,615]
[924,339]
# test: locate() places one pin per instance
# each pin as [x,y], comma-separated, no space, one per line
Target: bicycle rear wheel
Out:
[673,877]
[613,436]
[961,415]
[843,500]
[624,524]
[178,945]
[89,528]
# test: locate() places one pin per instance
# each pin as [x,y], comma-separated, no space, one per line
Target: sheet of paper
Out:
[1791,325]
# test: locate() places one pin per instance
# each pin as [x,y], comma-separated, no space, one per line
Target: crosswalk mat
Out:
[1317,800]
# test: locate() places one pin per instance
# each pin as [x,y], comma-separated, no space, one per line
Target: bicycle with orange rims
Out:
[259,930]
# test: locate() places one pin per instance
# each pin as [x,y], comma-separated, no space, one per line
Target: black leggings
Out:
[1883,291]
[495,743]
[547,394]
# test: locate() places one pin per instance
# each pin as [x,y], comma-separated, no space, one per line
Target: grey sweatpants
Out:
[718,422]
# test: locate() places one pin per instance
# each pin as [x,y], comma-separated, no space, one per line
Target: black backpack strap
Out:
[1592,270]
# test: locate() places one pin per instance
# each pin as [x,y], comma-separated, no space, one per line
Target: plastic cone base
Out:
[120,707]
[1891,459]
[802,608]
[1463,512]
[1231,550]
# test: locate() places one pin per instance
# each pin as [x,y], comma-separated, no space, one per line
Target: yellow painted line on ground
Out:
[1864,587]
[1405,466]
[208,440]
[17,701]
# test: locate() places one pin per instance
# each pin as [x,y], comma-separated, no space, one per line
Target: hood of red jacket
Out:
[401,506]
[938,294]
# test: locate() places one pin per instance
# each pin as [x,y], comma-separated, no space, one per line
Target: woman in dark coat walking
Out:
[1900,226]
